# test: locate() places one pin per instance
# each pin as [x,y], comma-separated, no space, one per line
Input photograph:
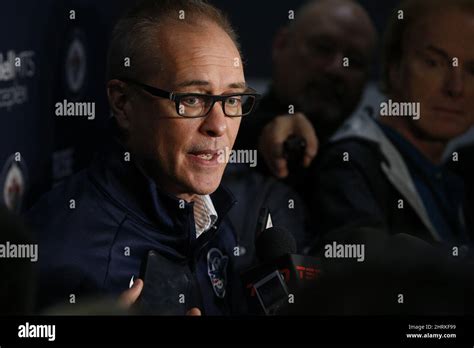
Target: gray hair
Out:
[132,39]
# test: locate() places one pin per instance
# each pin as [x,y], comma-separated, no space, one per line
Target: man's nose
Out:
[335,64]
[215,123]
[454,82]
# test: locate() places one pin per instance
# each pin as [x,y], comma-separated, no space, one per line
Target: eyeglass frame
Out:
[176,97]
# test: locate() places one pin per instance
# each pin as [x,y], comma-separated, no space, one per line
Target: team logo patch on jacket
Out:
[217,270]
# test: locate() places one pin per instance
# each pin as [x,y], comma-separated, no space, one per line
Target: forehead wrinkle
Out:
[190,55]
[209,51]
[197,62]
[213,78]
[202,59]
[221,54]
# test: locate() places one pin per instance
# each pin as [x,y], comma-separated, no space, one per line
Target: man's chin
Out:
[445,135]
[204,187]
[201,183]
[205,191]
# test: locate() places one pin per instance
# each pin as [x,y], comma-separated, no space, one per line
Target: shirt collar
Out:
[205,215]
[415,159]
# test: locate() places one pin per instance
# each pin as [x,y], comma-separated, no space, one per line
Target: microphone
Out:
[294,149]
[274,242]
[400,274]
[280,275]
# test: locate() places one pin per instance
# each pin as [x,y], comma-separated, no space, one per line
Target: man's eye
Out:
[233,101]
[191,101]
[431,62]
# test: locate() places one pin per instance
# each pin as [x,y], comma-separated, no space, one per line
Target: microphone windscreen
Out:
[273,243]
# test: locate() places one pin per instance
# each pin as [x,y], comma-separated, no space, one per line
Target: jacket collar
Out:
[136,193]
[365,127]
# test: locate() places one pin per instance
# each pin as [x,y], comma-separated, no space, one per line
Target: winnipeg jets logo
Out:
[217,270]
[13,183]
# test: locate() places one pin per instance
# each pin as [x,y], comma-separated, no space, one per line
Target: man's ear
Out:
[280,42]
[118,100]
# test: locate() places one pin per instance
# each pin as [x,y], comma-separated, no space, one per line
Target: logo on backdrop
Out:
[15,67]
[75,63]
[13,183]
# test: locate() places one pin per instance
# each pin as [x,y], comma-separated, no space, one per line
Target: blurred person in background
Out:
[321,63]
[391,170]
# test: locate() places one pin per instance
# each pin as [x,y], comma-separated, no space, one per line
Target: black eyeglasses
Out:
[194,105]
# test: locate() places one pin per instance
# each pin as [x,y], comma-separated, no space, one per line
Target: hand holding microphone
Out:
[276,139]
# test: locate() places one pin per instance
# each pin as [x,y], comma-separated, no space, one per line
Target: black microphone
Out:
[272,285]
[400,274]
[294,149]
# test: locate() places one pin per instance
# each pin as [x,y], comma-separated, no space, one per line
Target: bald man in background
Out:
[308,73]
[321,63]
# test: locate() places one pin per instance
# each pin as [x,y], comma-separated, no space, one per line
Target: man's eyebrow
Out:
[241,85]
[193,83]
[189,83]
[437,51]
[443,53]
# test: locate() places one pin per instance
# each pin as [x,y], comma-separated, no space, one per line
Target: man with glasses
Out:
[177,91]
[197,105]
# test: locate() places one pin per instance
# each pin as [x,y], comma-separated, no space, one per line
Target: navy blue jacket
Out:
[96,243]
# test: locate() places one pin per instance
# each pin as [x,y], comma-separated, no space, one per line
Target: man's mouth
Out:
[325,91]
[206,157]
